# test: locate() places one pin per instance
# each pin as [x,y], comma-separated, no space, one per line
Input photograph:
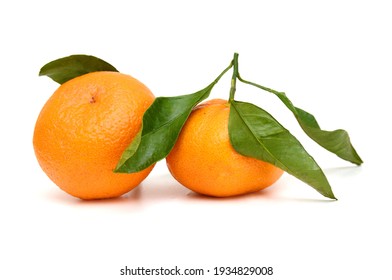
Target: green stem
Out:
[259,86]
[221,74]
[234,78]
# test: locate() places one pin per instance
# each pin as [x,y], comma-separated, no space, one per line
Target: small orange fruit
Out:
[83,130]
[204,161]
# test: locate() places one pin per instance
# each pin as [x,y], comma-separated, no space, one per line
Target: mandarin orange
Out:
[204,161]
[83,129]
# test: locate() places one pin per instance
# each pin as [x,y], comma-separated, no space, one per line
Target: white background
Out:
[332,59]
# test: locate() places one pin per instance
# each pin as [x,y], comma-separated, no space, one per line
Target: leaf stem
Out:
[257,85]
[234,78]
[221,74]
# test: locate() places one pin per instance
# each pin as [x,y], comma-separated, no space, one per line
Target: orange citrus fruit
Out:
[204,161]
[83,129]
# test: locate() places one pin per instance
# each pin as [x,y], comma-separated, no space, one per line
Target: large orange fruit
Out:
[83,129]
[204,161]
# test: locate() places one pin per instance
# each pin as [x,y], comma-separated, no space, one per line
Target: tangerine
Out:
[204,161]
[83,129]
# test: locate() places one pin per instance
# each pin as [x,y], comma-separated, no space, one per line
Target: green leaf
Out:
[67,68]
[131,149]
[337,141]
[255,133]
[162,123]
